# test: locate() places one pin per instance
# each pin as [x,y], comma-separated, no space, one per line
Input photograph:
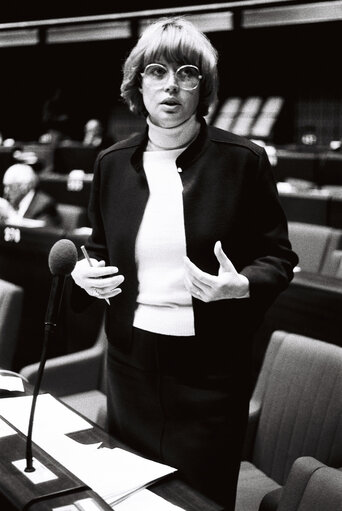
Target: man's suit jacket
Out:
[43,207]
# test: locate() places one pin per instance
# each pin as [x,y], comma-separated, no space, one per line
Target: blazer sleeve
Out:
[96,243]
[271,268]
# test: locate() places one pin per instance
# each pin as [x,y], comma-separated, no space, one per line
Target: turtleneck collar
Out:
[163,139]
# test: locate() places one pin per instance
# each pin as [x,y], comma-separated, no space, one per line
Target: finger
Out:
[112,293]
[100,293]
[97,263]
[199,276]
[224,261]
[105,283]
[193,289]
[100,271]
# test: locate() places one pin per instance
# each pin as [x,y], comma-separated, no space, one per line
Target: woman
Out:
[186,217]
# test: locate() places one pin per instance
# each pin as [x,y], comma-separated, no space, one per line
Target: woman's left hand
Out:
[208,288]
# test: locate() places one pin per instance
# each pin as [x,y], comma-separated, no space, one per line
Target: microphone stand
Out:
[49,332]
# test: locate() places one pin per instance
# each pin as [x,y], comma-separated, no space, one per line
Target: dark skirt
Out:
[162,402]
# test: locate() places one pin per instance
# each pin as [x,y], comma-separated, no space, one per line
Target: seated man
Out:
[94,135]
[23,200]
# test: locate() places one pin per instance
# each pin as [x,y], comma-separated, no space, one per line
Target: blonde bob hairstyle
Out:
[178,41]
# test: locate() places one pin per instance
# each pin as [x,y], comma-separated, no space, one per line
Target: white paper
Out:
[145,500]
[112,473]
[5,429]
[11,383]
[87,504]
[50,415]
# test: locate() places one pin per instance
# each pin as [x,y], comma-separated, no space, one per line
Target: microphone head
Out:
[62,257]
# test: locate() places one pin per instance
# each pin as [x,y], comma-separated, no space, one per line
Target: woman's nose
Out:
[171,83]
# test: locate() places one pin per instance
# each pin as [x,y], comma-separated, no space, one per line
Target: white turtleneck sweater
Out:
[164,304]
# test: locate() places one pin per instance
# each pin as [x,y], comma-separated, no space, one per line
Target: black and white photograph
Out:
[171,256]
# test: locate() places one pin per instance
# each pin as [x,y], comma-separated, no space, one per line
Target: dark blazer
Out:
[43,207]
[229,195]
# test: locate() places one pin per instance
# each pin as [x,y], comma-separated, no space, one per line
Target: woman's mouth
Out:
[170,102]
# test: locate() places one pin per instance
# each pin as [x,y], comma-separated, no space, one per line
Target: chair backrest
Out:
[305,207]
[312,243]
[72,216]
[11,300]
[312,486]
[227,113]
[333,254]
[300,388]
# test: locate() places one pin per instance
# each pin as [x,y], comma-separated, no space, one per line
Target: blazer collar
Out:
[185,159]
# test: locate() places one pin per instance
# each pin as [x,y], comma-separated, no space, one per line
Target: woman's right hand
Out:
[98,280]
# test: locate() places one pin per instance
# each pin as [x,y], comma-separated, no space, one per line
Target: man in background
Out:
[22,199]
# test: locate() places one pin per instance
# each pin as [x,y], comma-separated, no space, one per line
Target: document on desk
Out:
[145,499]
[112,473]
[50,414]
[12,383]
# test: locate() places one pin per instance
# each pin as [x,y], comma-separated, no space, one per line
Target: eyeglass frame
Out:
[175,73]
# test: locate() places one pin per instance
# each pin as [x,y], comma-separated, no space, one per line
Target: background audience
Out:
[22,199]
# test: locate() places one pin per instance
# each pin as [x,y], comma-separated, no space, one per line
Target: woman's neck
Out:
[163,139]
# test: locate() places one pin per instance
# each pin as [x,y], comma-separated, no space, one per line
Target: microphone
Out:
[62,260]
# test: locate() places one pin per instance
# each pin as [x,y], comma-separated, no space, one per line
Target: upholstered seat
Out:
[315,246]
[11,300]
[78,379]
[312,486]
[72,216]
[295,411]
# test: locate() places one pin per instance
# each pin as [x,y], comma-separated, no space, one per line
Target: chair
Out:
[330,169]
[72,216]
[227,113]
[295,164]
[11,302]
[295,411]
[78,379]
[312,486]
[246,116]
[307,207]
[267,117]
[316,247]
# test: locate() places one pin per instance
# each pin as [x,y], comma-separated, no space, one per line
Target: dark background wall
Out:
[299,62]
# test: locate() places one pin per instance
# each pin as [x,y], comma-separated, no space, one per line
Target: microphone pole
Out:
[62,260]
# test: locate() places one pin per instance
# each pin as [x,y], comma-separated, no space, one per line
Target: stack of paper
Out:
[112,473]
[146,500]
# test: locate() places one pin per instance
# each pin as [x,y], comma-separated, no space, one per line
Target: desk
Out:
[307,207]
[24,261]
[310,306]
[170,488]
[56,185]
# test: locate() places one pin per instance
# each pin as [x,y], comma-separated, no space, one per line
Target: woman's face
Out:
[167,104]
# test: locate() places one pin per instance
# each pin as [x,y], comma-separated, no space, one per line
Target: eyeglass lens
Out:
[187,76]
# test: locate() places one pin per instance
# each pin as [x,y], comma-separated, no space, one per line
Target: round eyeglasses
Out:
[187,77]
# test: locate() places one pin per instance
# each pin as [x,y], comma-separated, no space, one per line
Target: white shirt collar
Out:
[24,203]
